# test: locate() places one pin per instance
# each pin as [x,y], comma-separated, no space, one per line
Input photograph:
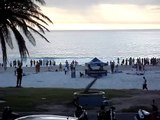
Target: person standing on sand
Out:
[112,67]
[19,76]
[145,84]
[65,70]
[60,66]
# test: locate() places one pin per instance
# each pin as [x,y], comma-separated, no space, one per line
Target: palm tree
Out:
[21,17]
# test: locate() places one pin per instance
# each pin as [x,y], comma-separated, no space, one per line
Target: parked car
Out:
[46,117]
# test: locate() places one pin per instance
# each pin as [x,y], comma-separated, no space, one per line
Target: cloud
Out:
[83,4]
[104,12]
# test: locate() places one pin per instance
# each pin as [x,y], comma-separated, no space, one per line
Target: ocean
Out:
[84,45]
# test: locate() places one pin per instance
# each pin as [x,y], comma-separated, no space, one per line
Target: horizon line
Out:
[132,29]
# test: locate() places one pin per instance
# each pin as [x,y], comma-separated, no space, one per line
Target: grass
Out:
[28,99]
[119,93]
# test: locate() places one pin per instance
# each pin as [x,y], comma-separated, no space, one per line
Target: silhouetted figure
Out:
[19,76]
[80,112]
[15,71]
[37,67]
[7,114]
[112,67]
[60,66]
[145,84]
[73,73]
[31,62]
[65,70]
[81,74]
[112,113]
[154,111]
[102,115]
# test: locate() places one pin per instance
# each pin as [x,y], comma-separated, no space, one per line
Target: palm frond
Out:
[35,31]
[21,42]
[4,50]
[42,15]
[30,20]
[41,1]
[7,37]
[28,34]
[24,14]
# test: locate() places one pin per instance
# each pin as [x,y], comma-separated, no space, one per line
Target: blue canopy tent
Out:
[96,62]
[95,68]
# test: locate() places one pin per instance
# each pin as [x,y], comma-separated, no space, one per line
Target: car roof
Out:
[46,117]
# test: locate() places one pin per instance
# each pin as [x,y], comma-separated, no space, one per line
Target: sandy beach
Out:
[48,77]
[127,79]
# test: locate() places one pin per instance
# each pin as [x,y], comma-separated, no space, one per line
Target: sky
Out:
[103,14]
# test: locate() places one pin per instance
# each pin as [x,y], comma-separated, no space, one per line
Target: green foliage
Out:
[21,16]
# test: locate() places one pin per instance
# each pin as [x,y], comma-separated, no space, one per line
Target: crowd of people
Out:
[51,62]
[143,61]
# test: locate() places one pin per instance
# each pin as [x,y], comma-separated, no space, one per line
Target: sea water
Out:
[84,45]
